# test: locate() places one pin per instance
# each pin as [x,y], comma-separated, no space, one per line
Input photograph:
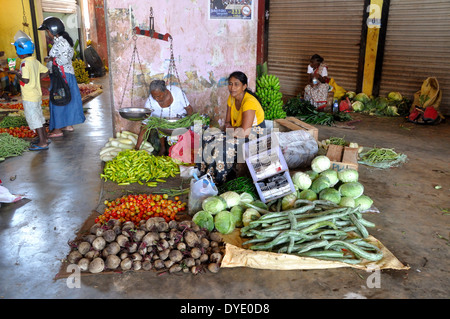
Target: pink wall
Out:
[206,52]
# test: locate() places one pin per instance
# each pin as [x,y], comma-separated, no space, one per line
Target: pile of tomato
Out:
[20,132]
[15,106]
[140,207]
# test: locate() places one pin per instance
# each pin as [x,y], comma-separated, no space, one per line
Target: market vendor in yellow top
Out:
[243,108]
[244,121]
[165,102]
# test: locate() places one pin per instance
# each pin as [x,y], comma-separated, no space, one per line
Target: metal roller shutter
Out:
[300,28]
[417,47]
[60,6]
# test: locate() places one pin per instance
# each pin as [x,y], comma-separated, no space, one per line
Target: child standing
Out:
[31,72]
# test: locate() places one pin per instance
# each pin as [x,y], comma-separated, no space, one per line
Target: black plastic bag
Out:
[60,91]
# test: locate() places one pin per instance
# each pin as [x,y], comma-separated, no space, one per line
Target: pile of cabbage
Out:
[322,182]
[227,211]
[394,104]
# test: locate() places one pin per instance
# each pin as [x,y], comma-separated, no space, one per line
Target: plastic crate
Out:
[260,145]
[266,164]
[275,187]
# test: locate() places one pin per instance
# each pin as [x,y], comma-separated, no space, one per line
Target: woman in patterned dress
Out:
[62,118]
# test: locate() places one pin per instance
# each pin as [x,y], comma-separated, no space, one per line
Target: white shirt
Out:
[180,101]
[324,71]
[63,53]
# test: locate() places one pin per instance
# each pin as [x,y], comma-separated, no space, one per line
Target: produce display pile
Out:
[394,104]
[153,245]
[13,121]
[11,146]
[124,140]
[185,122]
[138,166]
[382,157]
[268,92]
[305,111]
[136,208]
[319,229]
[81,74]
[20,132]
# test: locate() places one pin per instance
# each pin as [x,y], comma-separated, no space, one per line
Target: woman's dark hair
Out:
[317,58]
[244,80]
[66,36]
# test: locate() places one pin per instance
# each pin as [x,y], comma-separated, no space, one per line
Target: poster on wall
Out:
[231,9]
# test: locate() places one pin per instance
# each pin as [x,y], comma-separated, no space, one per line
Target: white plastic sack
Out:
[298,147]
[200,190]
[7,197]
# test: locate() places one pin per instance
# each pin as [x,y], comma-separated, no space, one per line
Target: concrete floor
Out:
[62,187]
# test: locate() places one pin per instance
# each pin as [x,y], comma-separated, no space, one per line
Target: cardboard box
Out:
[293,124]
[342,157]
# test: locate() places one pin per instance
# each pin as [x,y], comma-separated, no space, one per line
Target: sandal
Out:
[55,134]
[35,147]
[67,129]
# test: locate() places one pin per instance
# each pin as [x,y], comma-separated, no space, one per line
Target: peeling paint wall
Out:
[206,52]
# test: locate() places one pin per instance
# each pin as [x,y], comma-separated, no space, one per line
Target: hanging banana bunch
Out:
[81,74]
[268,91]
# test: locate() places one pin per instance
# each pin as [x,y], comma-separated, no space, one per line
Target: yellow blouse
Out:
[249,102]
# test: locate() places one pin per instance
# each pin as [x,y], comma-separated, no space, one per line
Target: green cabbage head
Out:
[358,106]
[237,212]
[395,96]
[307,194]
[204,219]
[364,202]
[224,222]
[362,97]
[320,163]
[332,176]
[348,175]
[232,198]
[331,194]
[214,204]
[351,189]
[301,180]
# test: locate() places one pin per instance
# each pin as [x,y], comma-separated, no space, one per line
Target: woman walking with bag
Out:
[62,118]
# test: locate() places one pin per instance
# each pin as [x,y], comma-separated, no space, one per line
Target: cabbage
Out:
[395,96]
[391,110]
[381,103]
[347,201]
[364,202]
[249,215]
[224,222]
[348,175]
[301,180]
[320,163]
[350,94]
[307,194]
[313,175]
[351,189]
[320,183]
[232,198]
[362,97]
[330,194]
[204,219]
[358,106]
[288,201]
[246,198]
[332,176]
[237,212]
[214,204]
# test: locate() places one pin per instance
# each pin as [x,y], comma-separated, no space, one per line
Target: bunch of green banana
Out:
[268,92]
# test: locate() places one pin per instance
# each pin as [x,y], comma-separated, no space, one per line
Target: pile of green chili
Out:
[12,146]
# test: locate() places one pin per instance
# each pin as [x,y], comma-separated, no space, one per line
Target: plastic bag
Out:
[7,197]
[298,148]
[200,189]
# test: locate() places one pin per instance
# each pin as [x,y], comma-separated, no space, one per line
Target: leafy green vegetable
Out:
[347,201]
[332,176]
[351,189]
[204,219]
[320,163]
[320,183]
[330,194]
[249,215]
[348,175]
[214,204]
[307,194]
[364,202]
[237,212]
[288,201]
[224,222]
[301,180]
[232,198]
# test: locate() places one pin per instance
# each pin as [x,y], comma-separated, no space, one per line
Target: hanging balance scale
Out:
[140,113]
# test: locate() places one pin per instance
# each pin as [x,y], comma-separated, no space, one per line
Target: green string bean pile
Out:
[319,229]
[13,121]
[377,155]
[154,122]
[12,146]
